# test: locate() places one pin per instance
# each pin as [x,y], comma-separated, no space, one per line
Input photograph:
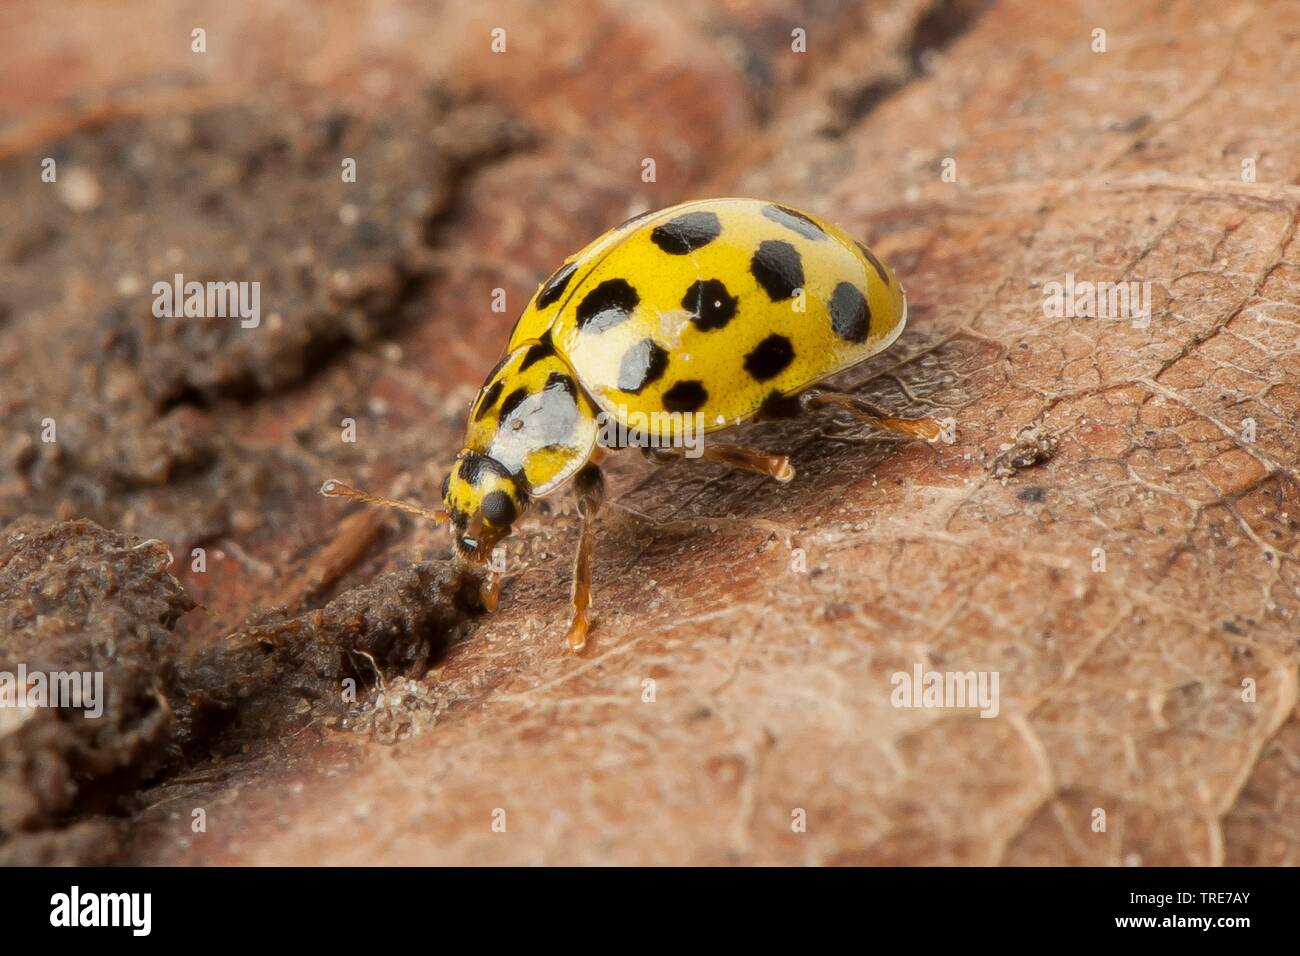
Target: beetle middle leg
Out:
[589,488]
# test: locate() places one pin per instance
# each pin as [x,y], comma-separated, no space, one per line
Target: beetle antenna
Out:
[333,488]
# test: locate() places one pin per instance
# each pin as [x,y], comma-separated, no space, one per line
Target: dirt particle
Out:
[401,709]
[1032,447]
[80,191]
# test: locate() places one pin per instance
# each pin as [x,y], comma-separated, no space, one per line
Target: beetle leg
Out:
[774,466]
[931,429]
[489,590]
[589,487]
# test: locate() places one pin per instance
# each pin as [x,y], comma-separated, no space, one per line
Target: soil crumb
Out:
[276,674]
[1032,447]
[401,709]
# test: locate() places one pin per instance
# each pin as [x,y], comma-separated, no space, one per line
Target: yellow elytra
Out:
[679,322]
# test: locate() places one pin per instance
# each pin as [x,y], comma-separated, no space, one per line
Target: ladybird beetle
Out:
[699,316]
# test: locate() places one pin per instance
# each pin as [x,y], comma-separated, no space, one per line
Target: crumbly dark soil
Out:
[77,598]
[278,672]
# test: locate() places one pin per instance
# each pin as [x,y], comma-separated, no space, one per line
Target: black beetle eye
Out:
[446,486]
[499,509]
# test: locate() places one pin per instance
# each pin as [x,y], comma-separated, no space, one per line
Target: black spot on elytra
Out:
[795,221]
[770,358]
[850,314]
[778,406]
[499,508]
[541,349]
[642,364]
[607,305]
[554,287]
[710,304]
[686,232]
[687,395]
[778,268]
[512,401]
[871,257]
[488,400]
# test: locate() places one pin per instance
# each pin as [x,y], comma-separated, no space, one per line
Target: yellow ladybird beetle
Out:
[677,323]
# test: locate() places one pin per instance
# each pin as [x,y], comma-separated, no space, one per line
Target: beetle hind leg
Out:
[930,429]
[774,466]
